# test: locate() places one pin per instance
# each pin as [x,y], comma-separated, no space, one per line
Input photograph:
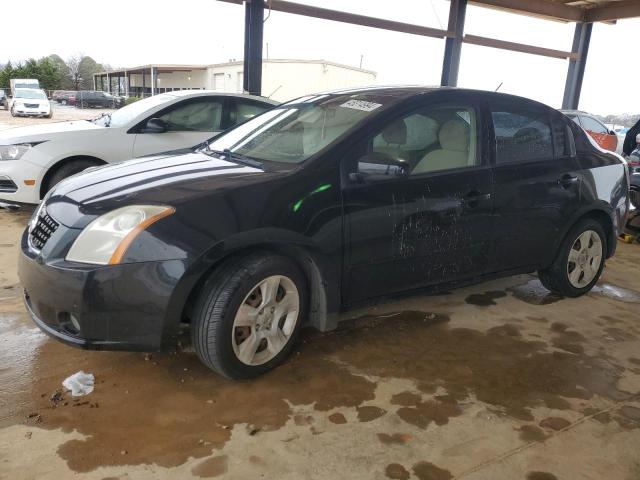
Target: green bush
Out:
[130,100]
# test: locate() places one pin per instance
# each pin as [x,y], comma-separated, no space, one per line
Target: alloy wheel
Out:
[585,258]
[265,320]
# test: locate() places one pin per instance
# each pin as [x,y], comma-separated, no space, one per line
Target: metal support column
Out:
[95,82]
[154,80]
[127,84]
[253,31]
[108,83]
[575,74]
[453,45]
[144,84]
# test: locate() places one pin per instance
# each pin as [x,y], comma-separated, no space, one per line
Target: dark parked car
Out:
[313,207]
[92,99]
[67,98]
[4,102]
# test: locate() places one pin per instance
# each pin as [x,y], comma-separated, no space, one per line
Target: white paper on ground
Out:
[79,383]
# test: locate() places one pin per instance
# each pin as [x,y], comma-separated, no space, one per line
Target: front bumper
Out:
[17,172]
[120,307]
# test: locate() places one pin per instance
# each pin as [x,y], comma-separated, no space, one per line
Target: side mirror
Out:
[611,132]
[155,125]
[638,138]
[376,166]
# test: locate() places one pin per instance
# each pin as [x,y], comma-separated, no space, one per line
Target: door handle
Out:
[567,180]
[472,198]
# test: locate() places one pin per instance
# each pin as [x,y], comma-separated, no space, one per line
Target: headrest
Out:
[395,133]
[454,135]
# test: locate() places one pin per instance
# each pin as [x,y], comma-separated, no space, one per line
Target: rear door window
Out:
[522,135]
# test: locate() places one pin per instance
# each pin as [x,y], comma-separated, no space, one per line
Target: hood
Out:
[44,131]
[169,179]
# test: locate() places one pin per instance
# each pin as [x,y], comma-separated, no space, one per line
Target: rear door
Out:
[189,122]
[422,217]
[536,183]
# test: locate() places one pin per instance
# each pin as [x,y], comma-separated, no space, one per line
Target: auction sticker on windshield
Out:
[361,105]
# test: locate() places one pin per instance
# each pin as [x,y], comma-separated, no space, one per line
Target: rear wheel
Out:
[66,170]
[580,260]
[634,196]
[249,314]
[84,105]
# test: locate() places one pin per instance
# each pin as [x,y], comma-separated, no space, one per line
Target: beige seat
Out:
[454,151]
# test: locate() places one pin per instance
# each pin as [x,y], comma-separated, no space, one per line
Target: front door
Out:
[188,123]
[537,187]
[417,203]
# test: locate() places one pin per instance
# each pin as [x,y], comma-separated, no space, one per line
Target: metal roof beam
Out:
[352,18]
[536,8]
[614,11]
[518,47]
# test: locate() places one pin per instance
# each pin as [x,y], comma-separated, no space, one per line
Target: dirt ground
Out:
[60,113]
[497,381]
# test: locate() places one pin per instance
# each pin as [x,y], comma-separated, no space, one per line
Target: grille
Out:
[7,185]
[42,230]
[32,105]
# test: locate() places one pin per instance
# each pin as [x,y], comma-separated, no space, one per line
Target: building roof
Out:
[167,68]
[290,60]
[160,67]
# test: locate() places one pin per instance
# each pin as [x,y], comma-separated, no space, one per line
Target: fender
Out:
[318,265]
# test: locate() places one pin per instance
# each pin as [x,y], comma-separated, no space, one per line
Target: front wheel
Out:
[579,262]
[249,314]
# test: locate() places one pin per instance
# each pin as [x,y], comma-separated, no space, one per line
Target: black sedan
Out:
[313,207]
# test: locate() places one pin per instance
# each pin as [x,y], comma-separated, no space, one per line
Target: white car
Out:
[34,158]
[30,102]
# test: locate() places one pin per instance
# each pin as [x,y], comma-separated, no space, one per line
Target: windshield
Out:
[297,130]
[122,117]
[33,94]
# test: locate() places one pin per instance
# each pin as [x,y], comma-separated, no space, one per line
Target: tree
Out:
[65,81]
[73,64]
[88,66]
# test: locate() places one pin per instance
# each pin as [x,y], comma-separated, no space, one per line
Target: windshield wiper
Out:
[234,157]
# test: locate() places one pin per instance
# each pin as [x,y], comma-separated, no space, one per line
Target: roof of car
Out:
[199,93]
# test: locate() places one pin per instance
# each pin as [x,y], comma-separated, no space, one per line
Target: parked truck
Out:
[23,83]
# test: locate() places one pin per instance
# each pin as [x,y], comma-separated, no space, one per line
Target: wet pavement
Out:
[497,381]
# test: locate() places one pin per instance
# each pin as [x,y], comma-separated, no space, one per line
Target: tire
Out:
[634,196]
[575,277]
[66,170]
[220,343]
[13,113]
[84,105]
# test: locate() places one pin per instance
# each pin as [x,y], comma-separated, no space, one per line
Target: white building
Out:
[281,79]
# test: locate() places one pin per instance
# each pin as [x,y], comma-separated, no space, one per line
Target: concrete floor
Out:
[496,381]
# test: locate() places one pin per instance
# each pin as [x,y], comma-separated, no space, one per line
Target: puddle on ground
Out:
[534,293]
[541,476]
[485,299]
[189,412]
[555,423]
[395,438]
[532,433]
[616,293]
[397,472]
[211,467]
[428,471]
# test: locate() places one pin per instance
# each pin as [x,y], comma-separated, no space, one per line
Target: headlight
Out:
[105,240]
[14,152]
